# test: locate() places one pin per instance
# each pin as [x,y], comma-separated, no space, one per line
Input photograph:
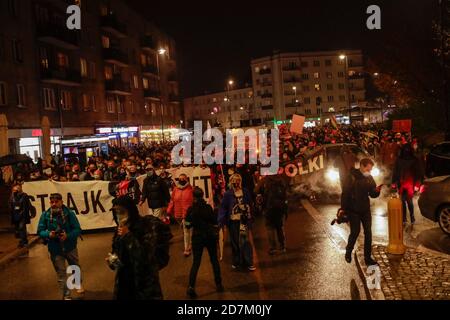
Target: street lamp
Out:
[343,57]
[227,99]
[161,52]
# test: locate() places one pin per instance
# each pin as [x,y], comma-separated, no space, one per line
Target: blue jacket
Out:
[228,203]
[71,227]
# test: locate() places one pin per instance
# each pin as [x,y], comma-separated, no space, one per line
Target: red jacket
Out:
[182,199]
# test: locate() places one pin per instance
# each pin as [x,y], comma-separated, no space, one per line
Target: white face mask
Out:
[366,174]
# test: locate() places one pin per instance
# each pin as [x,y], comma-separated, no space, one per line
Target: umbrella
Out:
[11,159]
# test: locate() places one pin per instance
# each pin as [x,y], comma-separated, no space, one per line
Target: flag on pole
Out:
[334,122]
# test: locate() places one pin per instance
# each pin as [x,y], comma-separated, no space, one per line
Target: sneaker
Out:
[220,288]
[191,293]
[251,268]
[371,262]
[234,267]
[348,257]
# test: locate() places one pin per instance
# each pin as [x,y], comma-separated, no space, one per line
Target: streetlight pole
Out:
[161,51]
[229,84]
[344,57]
[295,98]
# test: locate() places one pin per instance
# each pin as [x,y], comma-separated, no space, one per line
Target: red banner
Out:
[402,125]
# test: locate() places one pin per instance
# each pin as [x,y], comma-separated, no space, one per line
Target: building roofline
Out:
[306,54]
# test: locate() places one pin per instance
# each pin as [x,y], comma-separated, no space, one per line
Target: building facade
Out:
[110,74]
[316,84]
[232,108]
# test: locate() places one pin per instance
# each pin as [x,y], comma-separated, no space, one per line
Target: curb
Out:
[424,249]
[10,257]
[371,294]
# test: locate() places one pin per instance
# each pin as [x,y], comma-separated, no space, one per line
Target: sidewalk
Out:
[8,243]
[416,275]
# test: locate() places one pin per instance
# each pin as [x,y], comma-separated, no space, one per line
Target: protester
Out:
[21,213]
[60,229]
[235,212]
[203,220]
[355,202]
[140,250]
[407,177]
[156,193]
[178,206]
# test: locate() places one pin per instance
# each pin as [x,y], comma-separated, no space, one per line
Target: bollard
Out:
[395,220]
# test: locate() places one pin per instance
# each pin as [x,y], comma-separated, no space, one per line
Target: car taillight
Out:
[423,188]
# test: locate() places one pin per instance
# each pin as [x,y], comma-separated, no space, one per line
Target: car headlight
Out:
[332,175]
[375,172]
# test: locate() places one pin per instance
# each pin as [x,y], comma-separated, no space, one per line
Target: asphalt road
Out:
[312,268]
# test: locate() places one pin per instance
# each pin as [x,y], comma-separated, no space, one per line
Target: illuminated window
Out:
[108,73]
[49,99]
[145,83]
[66,100]
[21,97]
[62,60]
[317,87]
[316,75]
[105,42]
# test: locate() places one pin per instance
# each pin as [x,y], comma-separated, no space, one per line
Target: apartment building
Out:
[110,77]
[228,109]
[317,84]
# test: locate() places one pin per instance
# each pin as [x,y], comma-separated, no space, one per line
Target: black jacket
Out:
[20,207]
[203,219]
[356,192]
[156,192]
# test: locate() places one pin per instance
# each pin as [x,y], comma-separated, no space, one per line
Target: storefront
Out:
[151,134]
[120,136]
[80,149]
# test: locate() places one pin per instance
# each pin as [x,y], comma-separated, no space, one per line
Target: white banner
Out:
[92,201]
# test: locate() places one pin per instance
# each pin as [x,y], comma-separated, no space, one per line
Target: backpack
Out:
[156,238]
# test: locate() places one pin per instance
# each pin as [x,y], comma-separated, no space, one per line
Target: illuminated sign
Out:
[117,130]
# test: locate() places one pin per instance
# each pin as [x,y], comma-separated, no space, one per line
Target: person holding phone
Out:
[359,186]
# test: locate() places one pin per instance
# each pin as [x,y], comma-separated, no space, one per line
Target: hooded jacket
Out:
[356,192]
[182,199]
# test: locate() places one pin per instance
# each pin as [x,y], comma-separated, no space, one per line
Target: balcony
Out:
[291,68]
[266,95]
[268,107]
[356,76]
[151,70]
[291,105]
[61,76]
[115,56]
[111,24]
[147,43]
[291,80]
[265,71]
[174,98]
[58,36]
[152,94]
[118,86]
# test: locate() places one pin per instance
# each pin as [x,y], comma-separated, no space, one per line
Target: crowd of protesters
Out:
[239,194]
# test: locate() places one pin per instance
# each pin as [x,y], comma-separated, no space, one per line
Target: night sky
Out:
[217,39]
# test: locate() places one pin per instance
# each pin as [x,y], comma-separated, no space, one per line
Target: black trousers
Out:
[20,229]
[197,251]
[355,227]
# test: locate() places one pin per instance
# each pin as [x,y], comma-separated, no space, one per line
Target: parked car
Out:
[438,160]
[434,201]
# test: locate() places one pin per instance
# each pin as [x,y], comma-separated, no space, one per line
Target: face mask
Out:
[236,185]
[150,173]
[366,174]
[182,182]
